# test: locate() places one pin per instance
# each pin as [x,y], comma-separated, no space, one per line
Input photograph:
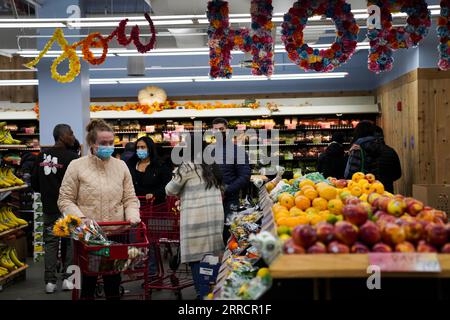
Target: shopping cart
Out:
[163,227]
[104,260]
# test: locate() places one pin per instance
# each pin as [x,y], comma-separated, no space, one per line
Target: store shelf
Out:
[26,134]
[339,266]
[13,188]
[11,276]
[11,231]
[12,146]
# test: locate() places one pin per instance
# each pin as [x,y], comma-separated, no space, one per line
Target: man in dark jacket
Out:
[389,167]
[332,162]
[48,173]
[234,166]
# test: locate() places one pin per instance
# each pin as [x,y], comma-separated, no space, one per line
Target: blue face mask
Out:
[142,154]
[105,152]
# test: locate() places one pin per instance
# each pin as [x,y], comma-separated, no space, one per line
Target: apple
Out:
[393,233]
[359,248]
[381,247]
[290,247]
[355,214]
[396,207]
[382,218]
[413,206]
[425,247]
[341,183]
[447,227]
[346,232]
[369,233]
[352,200]
[372,197]
[325,232]
[337,247]
[370,177]
[441,215]
[405,246]
[344,195]
[436,234]
[317,248]
[426,215]
[446,248]
[414,231]
[383,203]
[304,235]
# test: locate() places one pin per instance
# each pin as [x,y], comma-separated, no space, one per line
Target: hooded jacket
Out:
[333,161]
[366,159]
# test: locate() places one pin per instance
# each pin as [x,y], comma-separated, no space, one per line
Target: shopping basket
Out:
[163,227]
[118,257]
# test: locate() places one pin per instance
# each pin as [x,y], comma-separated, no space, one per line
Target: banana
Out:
[11,215]
[6,138]
[11,176]
[6,221]
[13,256]
[3,227]
[4,262]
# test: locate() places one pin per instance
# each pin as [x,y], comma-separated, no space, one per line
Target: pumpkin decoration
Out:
[151,94]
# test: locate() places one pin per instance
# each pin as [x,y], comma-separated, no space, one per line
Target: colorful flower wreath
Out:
[90,42]
[222,39]
[443,31]
[313,59]
[383,42]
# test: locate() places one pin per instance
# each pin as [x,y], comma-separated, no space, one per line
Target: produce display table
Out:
[340,266]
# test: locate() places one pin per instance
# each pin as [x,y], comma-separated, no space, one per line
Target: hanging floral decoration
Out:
[383,42]
[301,53]
[223,39]
[95,40]
[443,31]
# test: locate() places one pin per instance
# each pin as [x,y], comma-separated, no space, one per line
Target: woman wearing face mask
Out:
[149,175]
[99,187]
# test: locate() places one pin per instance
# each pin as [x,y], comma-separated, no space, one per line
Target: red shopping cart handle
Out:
[114,223]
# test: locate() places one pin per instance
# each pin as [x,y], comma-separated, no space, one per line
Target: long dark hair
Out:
[151,151]
[364,129]
[210,173]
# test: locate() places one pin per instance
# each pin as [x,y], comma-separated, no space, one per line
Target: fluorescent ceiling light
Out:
[31,25]
[22,82]
[139,23]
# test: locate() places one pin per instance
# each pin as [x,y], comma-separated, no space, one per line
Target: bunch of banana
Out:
[8,220]
[5,136]
[8,179]
[9,260]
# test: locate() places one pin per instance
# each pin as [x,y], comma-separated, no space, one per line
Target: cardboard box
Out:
[433,195]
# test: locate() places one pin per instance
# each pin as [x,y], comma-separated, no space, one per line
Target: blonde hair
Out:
[94,126]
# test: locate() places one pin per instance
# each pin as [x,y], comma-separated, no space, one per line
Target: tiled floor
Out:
[33,288]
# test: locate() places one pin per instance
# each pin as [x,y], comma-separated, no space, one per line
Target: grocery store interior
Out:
[342,109]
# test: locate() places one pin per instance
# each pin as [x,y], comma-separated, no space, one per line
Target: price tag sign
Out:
[405,262]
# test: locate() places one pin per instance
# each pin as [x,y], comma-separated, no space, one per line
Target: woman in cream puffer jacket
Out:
[98,186]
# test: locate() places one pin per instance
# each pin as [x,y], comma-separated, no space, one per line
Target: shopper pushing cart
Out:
[99,187]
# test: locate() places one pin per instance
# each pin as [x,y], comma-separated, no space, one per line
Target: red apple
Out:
[352,200]
[405,246]
[325,232]
[346,232]
[341,183]
[369,233]
[446,248]
[383,203]
[304,235]
[359,248]
[436,234]
[426,215]
[447,227]
[291,248]
[355,214]
[381,247]
[317,248]
[372,198]
[413,206]
[393,233]
[425,247]
[441,215]
[414,231]
[336,247]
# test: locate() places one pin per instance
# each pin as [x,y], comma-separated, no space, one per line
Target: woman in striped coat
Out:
[201,212]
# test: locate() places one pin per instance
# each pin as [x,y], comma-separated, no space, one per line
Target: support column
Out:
[61,102]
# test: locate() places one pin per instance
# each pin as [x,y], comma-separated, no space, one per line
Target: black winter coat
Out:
[389,167]
[366,159]
[153,180]
[333,161]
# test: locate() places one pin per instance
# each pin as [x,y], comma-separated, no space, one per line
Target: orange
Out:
[298,193]
[287,200]
[283,221]
[291,181]
[311,194]
[316,219]
[320,204]
[302,202]
[282,194]
[312,211]
[295,212]
[358,176]
[281,214]
[304,188]
[321,185]
[305,183]
[295,221]
[277,207]
[356,191]
[233,245]
[335,206]
[328,192]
